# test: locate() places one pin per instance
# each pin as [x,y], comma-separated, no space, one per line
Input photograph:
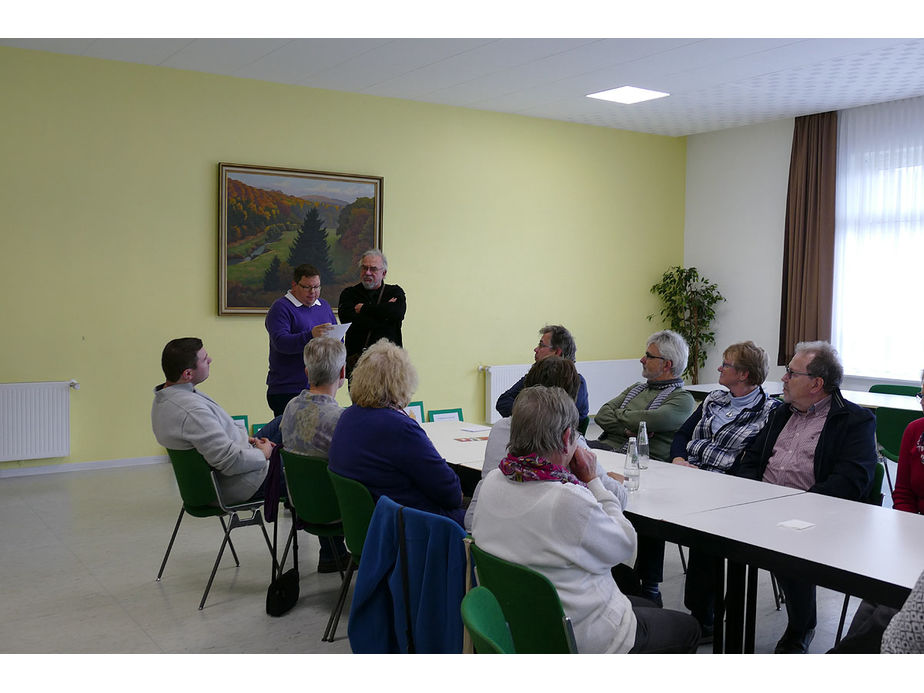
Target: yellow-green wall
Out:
[494,225]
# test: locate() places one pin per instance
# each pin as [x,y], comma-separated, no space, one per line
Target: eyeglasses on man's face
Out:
[310,287]
[652,356]
[370,268]
[790,372]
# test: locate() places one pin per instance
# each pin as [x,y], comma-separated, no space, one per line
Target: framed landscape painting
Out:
[273,219]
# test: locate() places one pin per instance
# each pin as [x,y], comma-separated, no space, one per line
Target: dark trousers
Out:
[278,402]
[699,587]
[662,631]
[800,604]
[649,562]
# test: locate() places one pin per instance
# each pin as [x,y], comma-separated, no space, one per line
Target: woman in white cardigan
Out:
[544,507]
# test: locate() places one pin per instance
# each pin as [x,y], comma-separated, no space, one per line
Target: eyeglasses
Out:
[652,356]
[790,372]
[310,287]
[370,268]
[726,364]
[543,345]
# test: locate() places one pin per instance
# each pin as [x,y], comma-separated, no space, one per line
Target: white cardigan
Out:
[572,535]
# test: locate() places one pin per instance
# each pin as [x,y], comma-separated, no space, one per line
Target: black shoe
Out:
[795,643]
[334,565]
[706,634]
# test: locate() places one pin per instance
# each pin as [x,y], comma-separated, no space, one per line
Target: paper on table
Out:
[476,427]
[338,331]
[795,524]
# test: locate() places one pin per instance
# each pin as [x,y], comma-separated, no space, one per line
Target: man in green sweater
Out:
[664,405]
[660,401]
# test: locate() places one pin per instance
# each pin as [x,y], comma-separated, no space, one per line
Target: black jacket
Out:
[845,457]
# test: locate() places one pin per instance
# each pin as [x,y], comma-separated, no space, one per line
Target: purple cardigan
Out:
[289,329]
[390,454]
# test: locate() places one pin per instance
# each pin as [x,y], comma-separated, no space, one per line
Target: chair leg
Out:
[840,625]
[218,558]
[228,538]
[885,463]
[778,597]
[331,629]
[170,545]
[683,560]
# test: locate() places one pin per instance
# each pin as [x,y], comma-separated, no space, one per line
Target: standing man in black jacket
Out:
[820,443]
[375,308]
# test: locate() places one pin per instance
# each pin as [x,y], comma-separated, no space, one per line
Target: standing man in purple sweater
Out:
[292,321]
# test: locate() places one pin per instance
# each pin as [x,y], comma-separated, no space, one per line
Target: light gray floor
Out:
[79,552]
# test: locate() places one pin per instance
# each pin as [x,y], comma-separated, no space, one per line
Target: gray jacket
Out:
[184,418]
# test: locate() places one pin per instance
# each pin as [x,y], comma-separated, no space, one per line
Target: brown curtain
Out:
[808,250]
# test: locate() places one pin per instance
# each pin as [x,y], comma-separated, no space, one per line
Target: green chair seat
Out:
[530,604]
[484,619]
[201,495]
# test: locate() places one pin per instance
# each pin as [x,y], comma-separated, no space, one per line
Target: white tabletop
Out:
[671,491]
[458,445]
[880,543]
[870,400]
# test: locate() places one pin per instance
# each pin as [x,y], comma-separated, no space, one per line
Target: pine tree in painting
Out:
[310,246]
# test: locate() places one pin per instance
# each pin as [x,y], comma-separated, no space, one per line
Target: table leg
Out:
[734,616]
[750,615]
[718,637]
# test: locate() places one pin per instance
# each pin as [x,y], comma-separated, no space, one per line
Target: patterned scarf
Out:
[665,386]
[535,468]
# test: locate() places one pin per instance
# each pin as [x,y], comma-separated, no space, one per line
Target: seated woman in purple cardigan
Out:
[383,448]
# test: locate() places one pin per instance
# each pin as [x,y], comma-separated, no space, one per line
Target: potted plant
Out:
[689,308]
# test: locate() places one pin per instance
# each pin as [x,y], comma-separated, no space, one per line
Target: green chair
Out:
[312,499]
[891,424]
[356,506]
[485,621]
[530,604]
[201,496]
[873,498]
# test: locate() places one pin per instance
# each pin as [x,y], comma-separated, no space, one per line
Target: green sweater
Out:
[619,424]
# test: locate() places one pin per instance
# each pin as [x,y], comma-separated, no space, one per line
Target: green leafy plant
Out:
[689,308]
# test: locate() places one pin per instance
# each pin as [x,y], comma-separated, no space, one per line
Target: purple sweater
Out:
[391,455]
[289,329]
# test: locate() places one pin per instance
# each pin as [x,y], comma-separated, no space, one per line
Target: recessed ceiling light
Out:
[628,95]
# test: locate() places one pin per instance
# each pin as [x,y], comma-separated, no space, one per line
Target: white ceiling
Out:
[714,83]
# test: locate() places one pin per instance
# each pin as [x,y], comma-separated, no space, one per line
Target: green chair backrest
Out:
[310,490]
[194,478]
[886,389]
[356,506]
[530,604]
[483,617]
[875,491]
[890,427]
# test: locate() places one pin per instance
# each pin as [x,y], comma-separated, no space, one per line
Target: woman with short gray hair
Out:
[546,508]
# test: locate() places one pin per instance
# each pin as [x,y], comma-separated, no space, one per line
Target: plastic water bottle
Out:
[642,445]
[632,470]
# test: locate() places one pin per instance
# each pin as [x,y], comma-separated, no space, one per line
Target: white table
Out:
[856,548]
[870,400]
[456,445]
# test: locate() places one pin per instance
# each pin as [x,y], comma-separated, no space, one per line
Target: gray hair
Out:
[324,358]
[674,348]
[374,252]
[541,415]
[561,339]
[825,363]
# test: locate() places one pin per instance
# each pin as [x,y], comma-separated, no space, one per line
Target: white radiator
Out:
[605,380]
[35,420]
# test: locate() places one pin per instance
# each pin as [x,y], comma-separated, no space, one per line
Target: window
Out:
[878,321]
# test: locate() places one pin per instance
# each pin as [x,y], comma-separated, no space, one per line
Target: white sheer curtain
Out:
[877,321]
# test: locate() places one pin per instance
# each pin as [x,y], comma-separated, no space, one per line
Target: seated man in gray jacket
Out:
[185,418]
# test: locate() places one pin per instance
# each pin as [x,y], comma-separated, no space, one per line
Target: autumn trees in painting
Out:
[268,232]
